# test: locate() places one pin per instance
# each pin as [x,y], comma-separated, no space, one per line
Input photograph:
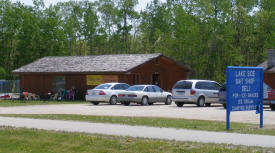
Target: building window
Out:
[59,83]
[135,79]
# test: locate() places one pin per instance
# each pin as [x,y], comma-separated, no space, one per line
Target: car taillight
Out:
[102,93]
[132,95]
[121,95]
[192,92]
[87,93]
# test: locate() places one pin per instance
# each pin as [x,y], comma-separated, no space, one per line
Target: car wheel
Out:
[113,100]
[208,104]
[150,103]
[224,106]
[95,103]
[272,106]
[179,104]
[126,103]
[201,102]
[144,101]
[168,100]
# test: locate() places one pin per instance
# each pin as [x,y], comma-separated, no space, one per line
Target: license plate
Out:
[180,92]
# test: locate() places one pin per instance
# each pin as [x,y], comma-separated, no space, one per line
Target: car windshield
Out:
[135,88]
[103,86]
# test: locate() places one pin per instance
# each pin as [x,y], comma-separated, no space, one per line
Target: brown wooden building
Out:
[269,69]
[85,72]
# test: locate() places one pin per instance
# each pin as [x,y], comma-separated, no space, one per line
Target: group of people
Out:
[63,94]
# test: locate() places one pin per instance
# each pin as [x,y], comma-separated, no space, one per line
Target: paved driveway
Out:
[171,111]
[142,131]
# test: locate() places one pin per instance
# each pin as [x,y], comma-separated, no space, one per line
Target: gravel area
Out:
[142,131]
[216,112]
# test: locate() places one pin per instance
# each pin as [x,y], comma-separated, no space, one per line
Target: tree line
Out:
[206,35]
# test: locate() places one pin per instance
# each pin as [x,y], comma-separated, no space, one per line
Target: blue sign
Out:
[244,86]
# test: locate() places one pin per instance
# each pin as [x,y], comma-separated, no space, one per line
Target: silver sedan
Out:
[144,95]
[106,92]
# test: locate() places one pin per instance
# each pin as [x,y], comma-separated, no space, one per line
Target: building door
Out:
[135,79]
[155,79]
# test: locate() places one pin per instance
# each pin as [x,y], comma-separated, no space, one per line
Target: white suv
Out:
[200,92]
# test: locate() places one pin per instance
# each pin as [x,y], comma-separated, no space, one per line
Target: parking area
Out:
[215,112]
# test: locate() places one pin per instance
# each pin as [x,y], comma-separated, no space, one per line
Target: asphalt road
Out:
[216,112]
[142,131]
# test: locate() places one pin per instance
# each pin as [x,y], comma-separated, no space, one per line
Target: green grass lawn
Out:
[7,103]
[20,140]
[159,122]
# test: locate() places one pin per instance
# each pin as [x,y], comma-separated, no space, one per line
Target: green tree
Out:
[90,24]
[126,14]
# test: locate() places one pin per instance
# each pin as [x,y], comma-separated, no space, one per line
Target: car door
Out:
[160,96]
[202,88]
[214,91]
[151,94]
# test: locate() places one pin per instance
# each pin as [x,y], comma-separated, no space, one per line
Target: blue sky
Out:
[142,3]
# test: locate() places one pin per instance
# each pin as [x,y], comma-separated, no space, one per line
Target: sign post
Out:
[244,86]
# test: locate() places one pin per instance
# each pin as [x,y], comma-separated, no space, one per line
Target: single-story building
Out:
[269,69]
[85,72]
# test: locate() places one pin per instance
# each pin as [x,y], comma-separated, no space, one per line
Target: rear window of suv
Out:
[183,85]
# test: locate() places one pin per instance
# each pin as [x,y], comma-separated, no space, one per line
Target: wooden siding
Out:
[42,84]
[169,73]
[78,81]
[269,79]
[39,84]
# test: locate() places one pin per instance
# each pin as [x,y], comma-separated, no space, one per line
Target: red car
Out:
[5,96]
[271,94]
[270,100]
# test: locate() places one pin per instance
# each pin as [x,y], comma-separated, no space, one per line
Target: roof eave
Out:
[269,71]
[189,70]
[131,69]
[99,72]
